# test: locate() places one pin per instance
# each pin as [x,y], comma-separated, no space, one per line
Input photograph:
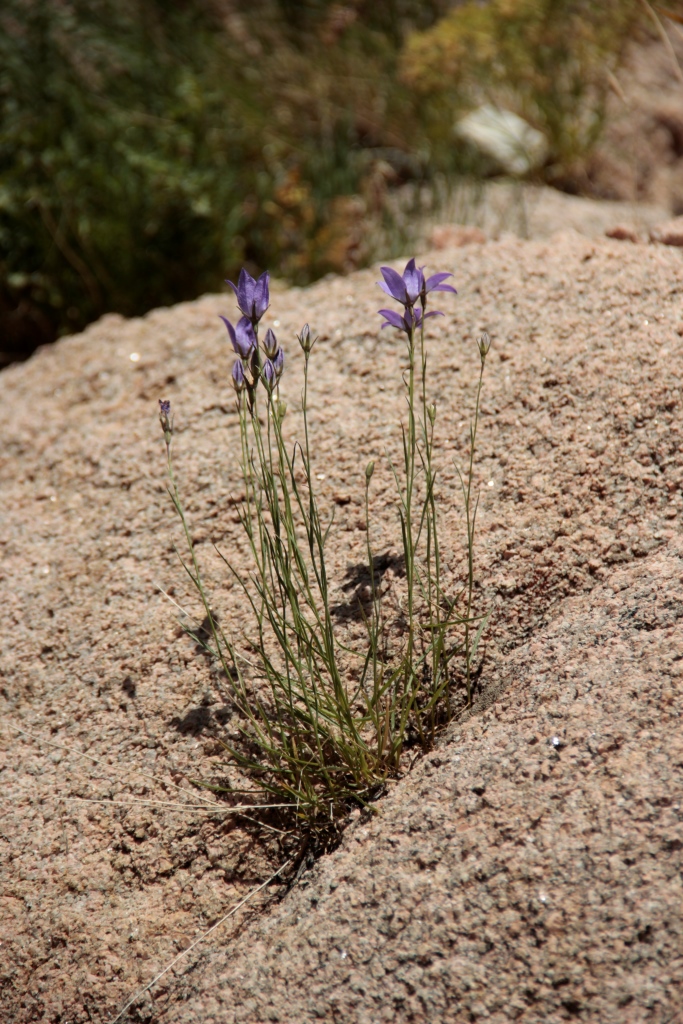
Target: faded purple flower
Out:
[253,296]
[239,381]
[270,344]
[242,336]
[165,417]
[411,319]
[166,420]
[410,286]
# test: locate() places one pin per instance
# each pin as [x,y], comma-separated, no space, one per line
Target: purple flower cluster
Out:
[253,299]
[408,288]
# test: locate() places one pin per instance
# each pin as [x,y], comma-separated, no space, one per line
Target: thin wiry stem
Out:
[309,736]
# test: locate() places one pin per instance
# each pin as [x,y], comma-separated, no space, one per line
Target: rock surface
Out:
[508,876]
[669,233]
[531,867]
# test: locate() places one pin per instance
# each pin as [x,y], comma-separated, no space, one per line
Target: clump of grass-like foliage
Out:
[309,736]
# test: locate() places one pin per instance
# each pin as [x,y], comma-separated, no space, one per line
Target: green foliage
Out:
[547,60]
[146,150]
[111,192]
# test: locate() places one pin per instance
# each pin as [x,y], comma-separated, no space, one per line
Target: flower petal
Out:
[393,318]
[245,338]
[231,331]
[435,280]
[385,288]
[395,285]
[245,292]
[261,295]
[413,279]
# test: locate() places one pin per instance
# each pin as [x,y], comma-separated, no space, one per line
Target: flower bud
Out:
[239,381]
[369,470]
[270,344]
[279,364]
[280,410]
[269,376]
[484,344]
[431,412]
[305,339]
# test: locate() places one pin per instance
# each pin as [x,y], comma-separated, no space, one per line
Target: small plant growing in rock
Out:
[309,738]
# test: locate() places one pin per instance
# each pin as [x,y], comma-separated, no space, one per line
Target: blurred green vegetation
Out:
[549,61]
[148,150]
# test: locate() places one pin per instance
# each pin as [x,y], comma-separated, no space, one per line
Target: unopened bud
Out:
[369,470]
[305,339]
[484,345]
[269,376]
[431,412]
[280,410]
[270,344]
[239,381]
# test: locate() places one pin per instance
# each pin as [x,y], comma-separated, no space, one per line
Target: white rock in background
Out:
[505,137]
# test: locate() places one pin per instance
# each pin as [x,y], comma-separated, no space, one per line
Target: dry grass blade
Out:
[214,809]
[664,37]
[196,942]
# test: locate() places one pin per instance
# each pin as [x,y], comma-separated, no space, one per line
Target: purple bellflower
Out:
[411,319]
[253,296]
[406,287]
[412,285]
[279,363]
[242,336]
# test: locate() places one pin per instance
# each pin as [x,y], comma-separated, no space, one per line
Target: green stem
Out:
[471,518]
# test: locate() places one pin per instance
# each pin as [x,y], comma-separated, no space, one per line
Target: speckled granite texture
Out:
[508,876]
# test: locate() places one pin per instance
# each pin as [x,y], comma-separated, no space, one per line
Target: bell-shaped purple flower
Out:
[410,286]
[270,344]
[406,287]
[242,336]
[253,296]
[411,319]
[239,381]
